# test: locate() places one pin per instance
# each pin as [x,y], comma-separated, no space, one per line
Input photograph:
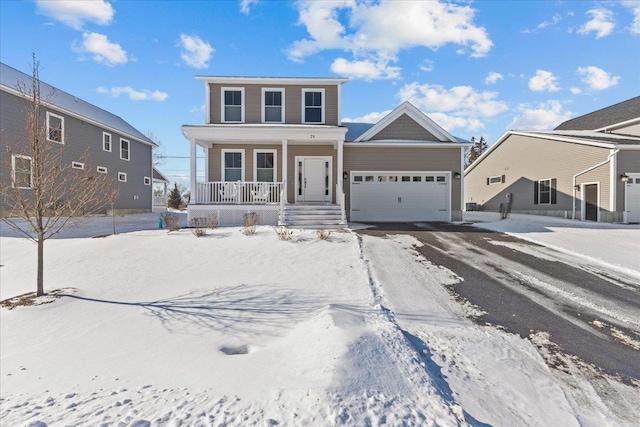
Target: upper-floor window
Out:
[21,168]
[55,128]
[106,141]
[233,104]
[272,105]
[313,105]
[124,149]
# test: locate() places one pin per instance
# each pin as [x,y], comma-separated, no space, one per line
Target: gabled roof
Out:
[584,137]
[417,115]
[355,129]
[9,78]
[606,118]
[158,176]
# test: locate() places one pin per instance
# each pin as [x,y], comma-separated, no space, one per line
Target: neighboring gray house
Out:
[114,146]
[588,168]
[277,146]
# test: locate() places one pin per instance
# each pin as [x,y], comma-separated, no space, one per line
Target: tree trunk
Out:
[40,290]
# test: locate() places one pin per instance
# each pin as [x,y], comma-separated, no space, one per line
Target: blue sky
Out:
[476,68]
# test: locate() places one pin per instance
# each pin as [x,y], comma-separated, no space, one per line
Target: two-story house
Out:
[113,146]
[277,146]
[587,168]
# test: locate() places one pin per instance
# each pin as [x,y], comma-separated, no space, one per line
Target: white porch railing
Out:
[239,192]
[159,201]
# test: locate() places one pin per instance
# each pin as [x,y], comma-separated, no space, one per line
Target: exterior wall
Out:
[628,162]
[405,159]
[629,130]
[84,138]
[524,160]
[292,103]
[404,127]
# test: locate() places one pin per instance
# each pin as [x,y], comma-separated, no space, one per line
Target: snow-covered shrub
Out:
[249,223]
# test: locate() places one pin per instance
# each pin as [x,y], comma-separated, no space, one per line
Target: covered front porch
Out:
[267,169]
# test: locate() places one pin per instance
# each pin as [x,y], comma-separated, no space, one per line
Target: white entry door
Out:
[314,179]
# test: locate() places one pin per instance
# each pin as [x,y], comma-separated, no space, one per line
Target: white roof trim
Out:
[630,122]
[81,117]
[550,136]
[273,80]
[417,115]
[207,134]
[406,144]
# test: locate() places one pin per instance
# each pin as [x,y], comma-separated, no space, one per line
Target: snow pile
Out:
[160,328]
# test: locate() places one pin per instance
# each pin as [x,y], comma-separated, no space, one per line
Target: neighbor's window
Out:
[313,111]
[232,165]
[122,177]
[265,166]
[77,165]
[101,169]
[147,180]
[55,128]
[106,141]
[22,176]
[273,105]
[495,180]
[124,149]
[544,192]
[233,105]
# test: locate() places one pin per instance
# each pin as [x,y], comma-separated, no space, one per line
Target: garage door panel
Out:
[633,199]
[414,199]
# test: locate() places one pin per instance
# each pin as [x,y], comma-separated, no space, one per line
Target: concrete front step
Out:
[313,216]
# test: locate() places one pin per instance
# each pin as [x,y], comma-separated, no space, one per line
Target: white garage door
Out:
[633,199]
[400,196]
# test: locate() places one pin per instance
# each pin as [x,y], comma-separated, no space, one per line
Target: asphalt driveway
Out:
[588,311]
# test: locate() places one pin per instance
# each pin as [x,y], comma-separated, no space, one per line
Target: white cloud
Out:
[381,29]
[576,90]
[373,117]
[457,107]
[492,78]
[366,69]
[601,23]
[554,21]
[195,52]
[245,5]
[426,66]
[134,95]
[544,116]
[543,81]
[75,13]
[597,78]
[101,49]
[634,7]
[198,110]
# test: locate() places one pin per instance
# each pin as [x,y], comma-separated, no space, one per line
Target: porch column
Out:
[194,172]
[284,167]
[340,169]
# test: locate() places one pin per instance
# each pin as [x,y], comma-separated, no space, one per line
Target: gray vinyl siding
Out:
[293,102]
[628,162]
[629,130]
[523,160]
[404,159]
[85,139]
[404,127]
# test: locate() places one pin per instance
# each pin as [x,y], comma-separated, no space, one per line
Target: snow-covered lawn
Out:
[163,328]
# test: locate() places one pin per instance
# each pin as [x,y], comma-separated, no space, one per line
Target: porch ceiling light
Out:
[624,178]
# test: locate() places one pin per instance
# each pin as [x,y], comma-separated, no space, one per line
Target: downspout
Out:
[573,216]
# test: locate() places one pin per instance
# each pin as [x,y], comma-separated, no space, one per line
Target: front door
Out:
[314,180]
[591,202]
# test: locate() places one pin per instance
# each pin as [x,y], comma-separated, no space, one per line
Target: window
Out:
[382,178]
[122,177]
[147,180]
[101,169]
[417,179]
[264,166]
[124,149]
[496,180]
[312,106]
[273,105]
[368,178]
[357,178]
[393,178]
[429,179]
[106,141]
[22,172]
[406,178]
[233,105]
[232,165]
[440,179]
[55,128]
[544,192]
[77,165]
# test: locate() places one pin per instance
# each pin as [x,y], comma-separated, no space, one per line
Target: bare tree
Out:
[159,156]
[45,194]
[479,146]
